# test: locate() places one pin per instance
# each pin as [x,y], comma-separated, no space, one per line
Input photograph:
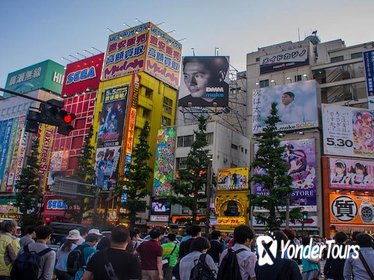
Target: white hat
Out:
[73,235]
[95,231]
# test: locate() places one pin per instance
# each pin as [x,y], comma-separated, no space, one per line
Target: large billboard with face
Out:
[83,75]
[233,179]
[300,156]
[297,106]
[348,131]
[369,74]
[204,82]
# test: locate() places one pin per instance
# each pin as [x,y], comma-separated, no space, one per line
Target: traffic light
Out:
[67,118]
[305,215]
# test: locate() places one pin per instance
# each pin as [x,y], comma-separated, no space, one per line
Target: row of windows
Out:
[187,140]
[341,57]
[235,147]
[19,108]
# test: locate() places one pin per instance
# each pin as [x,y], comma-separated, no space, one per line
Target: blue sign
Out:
[5,143]
[56,204]
[369,71]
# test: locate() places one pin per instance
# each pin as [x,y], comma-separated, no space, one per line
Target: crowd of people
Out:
[88,255]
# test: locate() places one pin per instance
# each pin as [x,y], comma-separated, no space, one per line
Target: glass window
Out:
[209,138]
[166,121]
[185,141]
[181,163]
[298,78]
[80,123]
[337,59]
[168,105]
[148,93]
[233,146]
[73,163]
[77,142]
[146,113]
[356,55]
[264,83]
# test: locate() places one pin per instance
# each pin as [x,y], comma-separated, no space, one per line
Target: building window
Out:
[257,59]
[168,105]
[181,163]
[264,83]
[166,121]
[146,113]
[80,123]
[245,151]
[73,163]
[185,141]
[233,146]
[209,138]
[337,59]
[356,55]
[298,78]
[148,93]
[77,142]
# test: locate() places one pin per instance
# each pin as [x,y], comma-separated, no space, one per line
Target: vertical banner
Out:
[5,145]
[9,155]
[21,155]
[164,162]
[45,151]
[369,74]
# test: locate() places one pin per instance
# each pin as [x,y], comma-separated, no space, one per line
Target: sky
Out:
[33,31]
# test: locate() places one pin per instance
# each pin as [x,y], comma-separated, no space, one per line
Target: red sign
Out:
[82,75]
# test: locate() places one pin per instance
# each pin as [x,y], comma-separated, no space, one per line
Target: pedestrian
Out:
[282,268]
[114,261]
[362,268]
[185,246]
[243,236]
[199,245]
[216,246]
[310,266]
[96,232]
[150,253]
[88,250]
[104,243]
[69,245]
[28,237]
[9,247]
[170,252]
[135,238]
[334,267]
[83,231]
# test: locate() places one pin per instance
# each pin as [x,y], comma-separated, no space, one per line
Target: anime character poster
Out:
[233,179]
[352,174]
[113,116]
[106,167]
[300,156]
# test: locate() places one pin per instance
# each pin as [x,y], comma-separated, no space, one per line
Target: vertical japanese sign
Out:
[9,156]
[21,154]
[164,162]
[45,150]
[369,74]
[5,140]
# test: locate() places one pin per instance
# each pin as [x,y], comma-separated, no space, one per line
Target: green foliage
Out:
[189,186]
[136,177]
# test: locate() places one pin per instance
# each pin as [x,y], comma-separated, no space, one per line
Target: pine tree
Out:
[189,186]
[136,177]
[270,172]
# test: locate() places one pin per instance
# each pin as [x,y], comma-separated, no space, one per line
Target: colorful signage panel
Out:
[5,135]
[369,74]
[83,75]
[106,167]
[164,162]
[297,106]
[112,117]
[163,56]
[300,155]
[284,60]
[126,52]
[348,131]
[56,204]
[311,222]
[204,82]
[351,174]
[9,156]
[45,150]
[233,179]
[160,206]
[351,209]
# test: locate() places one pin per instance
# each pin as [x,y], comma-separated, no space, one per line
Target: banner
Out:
[297,106]
[164,162]
[233,179]
[5,140]
[45,150]
[106,167]
[348,131]
[351,209]
[21,154]
[300,155]
[9,156]
[205,82]
[369,75]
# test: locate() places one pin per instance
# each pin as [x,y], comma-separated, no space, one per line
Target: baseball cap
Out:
[95,231]
[73,235]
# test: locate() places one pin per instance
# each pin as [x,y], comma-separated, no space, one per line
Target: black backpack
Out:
[76,260]
[27,265]
[229,268]
[202,271]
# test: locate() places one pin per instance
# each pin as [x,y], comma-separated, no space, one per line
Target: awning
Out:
[58,213]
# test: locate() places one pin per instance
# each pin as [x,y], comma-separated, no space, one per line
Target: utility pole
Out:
[208,188]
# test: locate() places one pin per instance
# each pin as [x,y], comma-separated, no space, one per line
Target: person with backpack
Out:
[216,247]
[238,263]
[37,260]
[198,265]
[185,246]
[170,252]
[282,268]
[9,247]
[334,267]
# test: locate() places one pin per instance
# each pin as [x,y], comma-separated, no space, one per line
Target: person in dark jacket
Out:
[334,266]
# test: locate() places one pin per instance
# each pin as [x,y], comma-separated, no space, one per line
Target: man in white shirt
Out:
[288,111]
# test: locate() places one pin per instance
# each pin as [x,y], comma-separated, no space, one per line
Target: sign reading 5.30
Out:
[338,142]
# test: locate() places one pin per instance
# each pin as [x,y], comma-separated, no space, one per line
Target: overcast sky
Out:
[33,31]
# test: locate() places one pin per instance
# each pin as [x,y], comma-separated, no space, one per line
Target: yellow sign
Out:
[231,221]
[45,150]
[233,179]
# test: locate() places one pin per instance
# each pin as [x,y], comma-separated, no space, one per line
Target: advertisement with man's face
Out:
[348,131]
[204,81]
[233,179]
[106,167]
[296,104]
[300,156]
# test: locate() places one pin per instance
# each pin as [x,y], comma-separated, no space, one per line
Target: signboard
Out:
[6,129]
[58,165]
[312,221]
[56,204]
[160,210]
[106,167]
[352,174]
[204,82]
[83,75]
[297,106]
[351,209]
[164,162]
[369,74]
[45,150]
[233,179]
[348,131]
[9,156]
[231,221]
[284,60]
[300,155]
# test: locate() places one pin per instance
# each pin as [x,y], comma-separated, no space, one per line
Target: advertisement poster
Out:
[5,140]
[45,150]
[58,165]
[351,209]
[113,116]
[160,210]
[348,131]
[204,81]
[297,106]
[106,167]
[9,156]
[233,179]
[164,162]
[300,155]
[369,75]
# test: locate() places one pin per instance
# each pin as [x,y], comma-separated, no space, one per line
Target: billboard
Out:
[83,75]
[351,209]
[351,174]
[232,179]
[106,167]
[300,155]
[5,138]
[58,165]
[369,74]
[284,60]
[204,82]
[45,151]
[125,52]
[112,116]
[297,106]
[164,162]
[160,210]
[348,131]
[163,56]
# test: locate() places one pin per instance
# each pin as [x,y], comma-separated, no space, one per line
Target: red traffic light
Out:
[69,118]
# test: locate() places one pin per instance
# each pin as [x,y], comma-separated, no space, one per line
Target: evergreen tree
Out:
[136,177]
[189,186]
[270,172]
